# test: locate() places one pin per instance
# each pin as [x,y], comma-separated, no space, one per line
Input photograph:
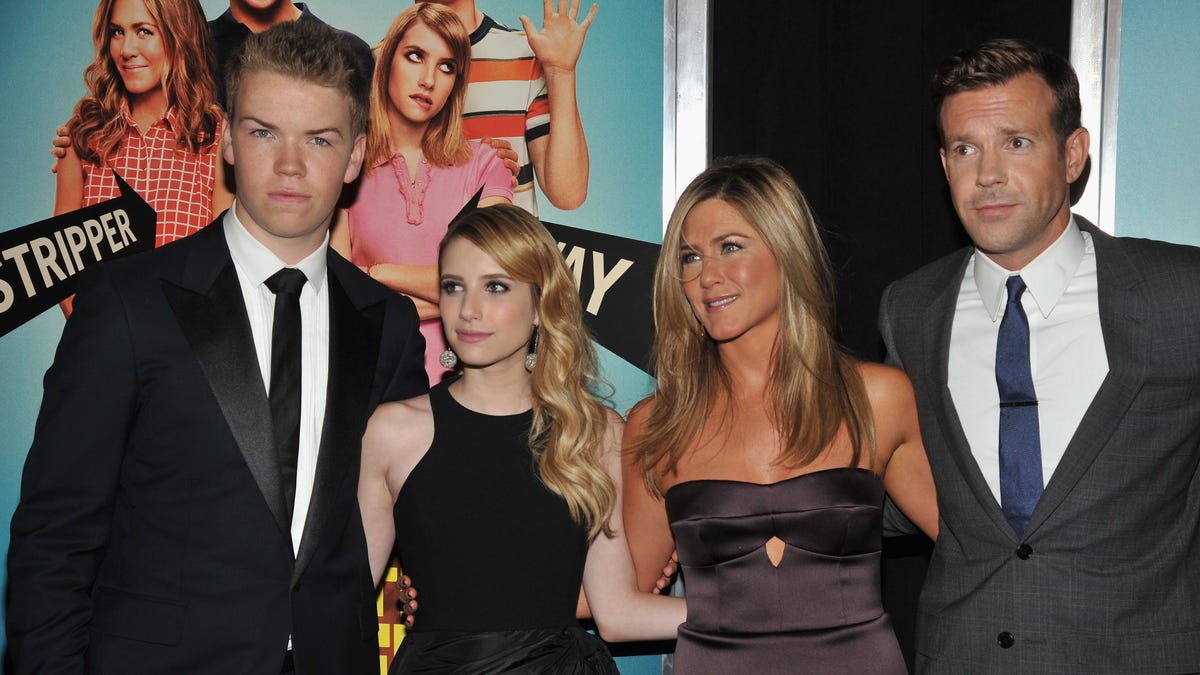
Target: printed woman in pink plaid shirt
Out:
[150,116]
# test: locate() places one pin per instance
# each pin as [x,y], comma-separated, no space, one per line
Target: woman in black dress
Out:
[501,488]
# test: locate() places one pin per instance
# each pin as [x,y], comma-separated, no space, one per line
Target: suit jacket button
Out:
[1024,551]
[1005,639]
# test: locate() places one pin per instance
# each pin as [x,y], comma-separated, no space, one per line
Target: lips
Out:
[288,197]
[717,304]
[422,100]
[470,336]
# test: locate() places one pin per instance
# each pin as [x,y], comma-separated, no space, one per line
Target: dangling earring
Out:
[531,358]
[448,359]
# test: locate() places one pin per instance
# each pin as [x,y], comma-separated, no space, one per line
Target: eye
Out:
[963,150]
[145,32]
[321,142]
[260,133]
[450,286]
[1019,143]
[689,257]
[113,32]
[730,247]
[447,67]
[414,56]
[496,287]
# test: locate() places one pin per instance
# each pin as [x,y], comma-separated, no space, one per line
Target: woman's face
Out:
[488,316]
[422,75]
[136,47]
[729,276]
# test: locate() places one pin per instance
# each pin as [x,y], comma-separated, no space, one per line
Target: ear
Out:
[227,138]
[356,159]
[1075,151]
[942,154]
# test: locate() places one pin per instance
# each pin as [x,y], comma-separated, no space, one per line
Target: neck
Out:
[747,362]
[148,108]
[258,20]
[470,16]
[500,389]
[406,137]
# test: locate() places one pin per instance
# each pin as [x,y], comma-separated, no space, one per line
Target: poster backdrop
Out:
[620,99]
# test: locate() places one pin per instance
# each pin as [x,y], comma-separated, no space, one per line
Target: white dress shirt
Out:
[254,264]
[1066,348]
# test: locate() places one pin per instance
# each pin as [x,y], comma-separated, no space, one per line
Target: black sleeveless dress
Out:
[819,611]
[496,556]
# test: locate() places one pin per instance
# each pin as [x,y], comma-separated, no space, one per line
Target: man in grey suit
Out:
[1057,373]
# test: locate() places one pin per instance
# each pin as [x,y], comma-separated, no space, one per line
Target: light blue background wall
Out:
[1158,130]
[49,44]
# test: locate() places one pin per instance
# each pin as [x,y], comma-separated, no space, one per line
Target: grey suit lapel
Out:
[1122,321]
[353,352]
[939,318]
[211,312]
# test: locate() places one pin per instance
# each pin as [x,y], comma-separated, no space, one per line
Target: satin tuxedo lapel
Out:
[1123,322]
[208,304]
[354,335]
[939,317]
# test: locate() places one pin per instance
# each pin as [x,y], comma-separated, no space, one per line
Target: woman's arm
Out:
[419,282]
[645,516]
[622,612]
[397,436]
[901,458]
[560,158]
[68,197]
[68,183]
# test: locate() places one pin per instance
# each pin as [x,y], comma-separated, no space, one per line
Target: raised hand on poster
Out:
[560,41]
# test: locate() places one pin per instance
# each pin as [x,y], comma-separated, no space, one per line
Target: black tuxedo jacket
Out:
[151,535]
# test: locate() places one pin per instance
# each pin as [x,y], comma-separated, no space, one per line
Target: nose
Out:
[127,47]
[991,170]
[288,159]
[469,309]
[711,272]
[428,76]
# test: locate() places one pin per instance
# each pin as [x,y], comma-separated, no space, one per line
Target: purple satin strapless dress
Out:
[819,611]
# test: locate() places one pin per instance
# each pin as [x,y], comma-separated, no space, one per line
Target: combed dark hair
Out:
[996,62]
[307,50]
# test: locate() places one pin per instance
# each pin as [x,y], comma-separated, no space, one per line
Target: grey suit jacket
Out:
[1107,576]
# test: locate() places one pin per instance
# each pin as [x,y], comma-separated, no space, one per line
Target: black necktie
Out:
[285,376]
[1020,444]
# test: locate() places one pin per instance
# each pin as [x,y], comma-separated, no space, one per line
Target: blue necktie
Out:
[1020,445]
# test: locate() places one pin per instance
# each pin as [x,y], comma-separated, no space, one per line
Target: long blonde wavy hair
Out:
[814,386]
[97,126]
[569,418]
[445,142]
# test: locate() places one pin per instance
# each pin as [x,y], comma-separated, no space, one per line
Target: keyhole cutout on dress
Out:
[774,548]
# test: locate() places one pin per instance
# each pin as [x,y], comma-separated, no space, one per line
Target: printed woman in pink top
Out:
[150,115]
[421,169]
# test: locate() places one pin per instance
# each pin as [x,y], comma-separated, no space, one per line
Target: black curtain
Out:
[837,92]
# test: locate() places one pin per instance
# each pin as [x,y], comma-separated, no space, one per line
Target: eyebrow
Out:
[267,125]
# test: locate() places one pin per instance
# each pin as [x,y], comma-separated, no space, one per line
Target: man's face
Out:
[1009,176]
[292,149]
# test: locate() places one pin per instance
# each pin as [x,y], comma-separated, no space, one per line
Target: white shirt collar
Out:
[259,263]
[1046,276]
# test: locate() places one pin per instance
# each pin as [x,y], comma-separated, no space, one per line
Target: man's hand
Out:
[58,146]
[558,44]
[505,152]
[668,574]
[408,601]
